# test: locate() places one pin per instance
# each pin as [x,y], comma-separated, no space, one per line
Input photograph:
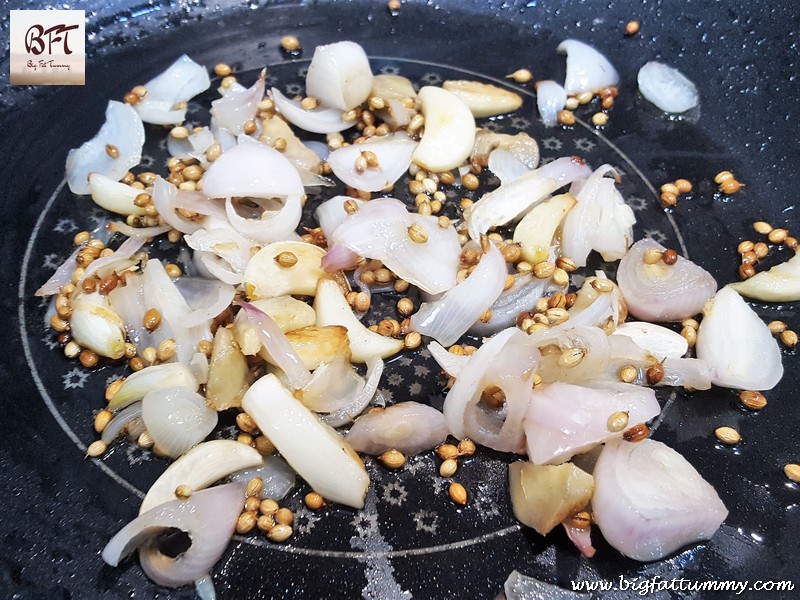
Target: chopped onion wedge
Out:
[238,106]
[550,99]
[208,517]
[780,284]
[200,467]
[737,345]
[564,420]
[649,501]
[409,427]
[123,131]
[587,69]
[413,246]
[452,364]
[449,317]
[177,418]
[181,82]
[277,477]
[320,120]
[278,346]
[165,200]
[252,170]
[667,88]
[339,75]
[511,200]
[508,361]
[449,130]
[319,455]
[661,292]
[393,153]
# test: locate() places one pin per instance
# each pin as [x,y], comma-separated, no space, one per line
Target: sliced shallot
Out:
[409,427]
[319,120]
[667,88]
[177,418]
[277,477]
[550,99]
[181,82]
[587,69]
[339,75]
[238,106]
[392,159]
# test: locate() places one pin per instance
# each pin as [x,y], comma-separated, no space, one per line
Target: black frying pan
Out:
[59,509]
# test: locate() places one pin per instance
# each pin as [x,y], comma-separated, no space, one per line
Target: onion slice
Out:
[62,275]
[587,69]
[737,345]
[409,427]
[177,418]
[209,517]
[277,477]
[339,75]
[649,501]
[393,153]
[200,467]
[667,88]
[181,82]
[449,317]
[238,106]
[661,292]
[122,130]
[550,99]
[320,120]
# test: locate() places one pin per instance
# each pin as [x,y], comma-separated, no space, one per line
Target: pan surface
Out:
[410,541]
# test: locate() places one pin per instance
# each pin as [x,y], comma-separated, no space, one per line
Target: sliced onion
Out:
[452,364]
[141,232]
[581,537]
[277,477]
[210,265]
[521,296]
[550,99]
[509,201]
[238,106]
[587,69]
[662,292]
[193,146]
[252,170]
[224,243]
[122,129]
[691,373]
[522,587]
[320,120]
[95,326]
[200,467]
[393,153]
[338,258]
[164,199]
[505,165]
[522,146]
[339,75]
[380,230]
[601,221]
[508,360]
[779,284]
[128,302]
[554,342]
[209,517]
[655,339]
[409,427]
[199,367]
[181,82]
[649,501]
[737,345]
[206,298]
[120,421]
[278,346]
[177,418]
[449,317]
[564,420]
[272,226]
[361,399]
[667,88]
[61,277]
[303,156]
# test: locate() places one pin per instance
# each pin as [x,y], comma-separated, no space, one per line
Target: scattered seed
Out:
[792,471]
[493,396]
[290,43]
[690,335]
[776,327]
[602,285]
[670,257]
[286,259]
[89,359]
[684,186]
[279,533]
[600,119]
[632,28]
[668,199]
[730,186]
[762,227]
[746,271]
[544,270]
[466,447]
[777,236]
[263,445]
[521,76]
[652,256]
[417,233]
[96,449]
[581,520]
[670,188]
[752,400]
[470,181]
[448,468]
[567,264]
[392,459]
[265,523]
[628,374]
[183,491]
[728,435]
[458,493]
[222,70]
[112,150]
[245,522]
[655,373]
[284,516]
[308,103]
[789,338]
[761,250]
[566,117]
[446,451]
[268,507]
[722,177]
[314,501]
[254,486]
[636,433]
[617,421]
[571,357]
[101,419]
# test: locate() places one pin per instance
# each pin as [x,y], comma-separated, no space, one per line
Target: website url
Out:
[651,585]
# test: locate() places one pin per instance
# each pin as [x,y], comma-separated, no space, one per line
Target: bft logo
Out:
[48,47]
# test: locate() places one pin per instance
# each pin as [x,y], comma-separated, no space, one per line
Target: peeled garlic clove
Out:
[544,495]
[137,385]
[228,372]
[332,308]
[339,75]
[387,86]
[318,453]
[272,272]
[484,99]
[317,345]
[113,195]
[96,326]
[536,230]
[200,467]
[780,284]
[287,312]
[449,131]
[655,339]
[737,345]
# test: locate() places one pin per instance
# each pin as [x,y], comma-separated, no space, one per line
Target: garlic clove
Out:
[780,284]
[287,312]
[332,308]
[655,339]
[449,131]
[484,99]
[392,87]
[536,230]
[284,268]
[96,326]
[228,372]
[113,195]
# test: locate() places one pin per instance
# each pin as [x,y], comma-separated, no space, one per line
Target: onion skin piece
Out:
[200,467]
[780,284]
[542,496]
[737,344]
[318,453]
[649,501]
[209,517]
[409,427]
[659,292]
